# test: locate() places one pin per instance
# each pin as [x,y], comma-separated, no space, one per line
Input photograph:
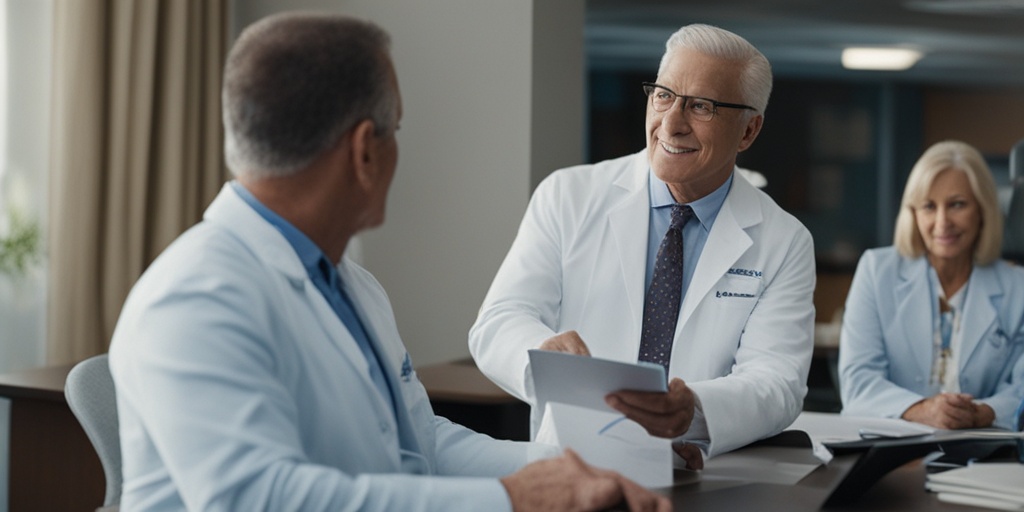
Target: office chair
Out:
[89,390]
[1013,232]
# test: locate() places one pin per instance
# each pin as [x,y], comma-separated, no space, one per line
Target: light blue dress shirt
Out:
[695,233]
[325,277]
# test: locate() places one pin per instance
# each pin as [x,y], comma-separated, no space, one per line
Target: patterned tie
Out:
[661,307]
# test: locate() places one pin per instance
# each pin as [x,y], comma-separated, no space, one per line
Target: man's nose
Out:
[675,119]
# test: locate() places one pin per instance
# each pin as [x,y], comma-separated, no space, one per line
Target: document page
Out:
[572,388]
[585,381]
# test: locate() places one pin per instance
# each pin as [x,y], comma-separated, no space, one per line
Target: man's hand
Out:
[662,414]
[567,483]
[691,454]
[569,342]
[950,411]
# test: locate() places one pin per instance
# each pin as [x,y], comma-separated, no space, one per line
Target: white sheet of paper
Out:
[831,427]
[827,427]
[997,478]
[584,381]
[609,440]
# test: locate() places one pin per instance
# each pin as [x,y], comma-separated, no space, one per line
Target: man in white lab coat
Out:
[578,278]
[256,368]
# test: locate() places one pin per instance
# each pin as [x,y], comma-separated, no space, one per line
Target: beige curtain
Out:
[136,151]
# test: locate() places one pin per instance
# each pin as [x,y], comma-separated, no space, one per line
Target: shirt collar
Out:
[309,253]
[705,209]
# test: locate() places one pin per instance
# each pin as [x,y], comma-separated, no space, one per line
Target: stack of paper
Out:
[989,485]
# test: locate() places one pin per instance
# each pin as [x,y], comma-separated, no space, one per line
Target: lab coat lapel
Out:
[230,211]
[726,242]
[380,326]
[979,311]
[629,222]
[913,299]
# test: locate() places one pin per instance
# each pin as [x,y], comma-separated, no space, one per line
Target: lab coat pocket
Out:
[995,355]
[421,414]
[1000,341]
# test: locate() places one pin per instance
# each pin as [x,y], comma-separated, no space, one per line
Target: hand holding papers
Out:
[572,390]
[585,381]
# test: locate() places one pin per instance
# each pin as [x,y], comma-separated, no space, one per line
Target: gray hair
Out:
[756,78]
[295,83]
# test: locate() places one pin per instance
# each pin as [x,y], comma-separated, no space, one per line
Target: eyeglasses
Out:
[701,109]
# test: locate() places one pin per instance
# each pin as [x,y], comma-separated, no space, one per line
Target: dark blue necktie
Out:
[661,306]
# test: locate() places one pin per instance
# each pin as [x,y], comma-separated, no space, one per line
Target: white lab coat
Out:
[745,332]
[240,389]
[887,348]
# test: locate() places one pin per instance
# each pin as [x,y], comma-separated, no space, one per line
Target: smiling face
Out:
[696,157]
[949,218]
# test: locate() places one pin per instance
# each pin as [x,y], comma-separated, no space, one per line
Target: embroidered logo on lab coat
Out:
[744,272]
[739,283]
[733,294]
[406,368]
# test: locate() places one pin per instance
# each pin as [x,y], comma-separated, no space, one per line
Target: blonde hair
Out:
[943,156]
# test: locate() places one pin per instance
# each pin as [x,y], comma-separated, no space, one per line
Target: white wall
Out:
[24,162]
[479,81]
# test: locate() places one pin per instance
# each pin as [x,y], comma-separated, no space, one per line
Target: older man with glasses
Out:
[668,256]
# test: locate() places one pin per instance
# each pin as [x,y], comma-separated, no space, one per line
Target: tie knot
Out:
[680,214]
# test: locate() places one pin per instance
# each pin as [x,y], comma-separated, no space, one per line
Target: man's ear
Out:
[364,164]
[750,131]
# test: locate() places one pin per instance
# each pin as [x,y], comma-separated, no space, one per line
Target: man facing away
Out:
[668,256]
[256,368]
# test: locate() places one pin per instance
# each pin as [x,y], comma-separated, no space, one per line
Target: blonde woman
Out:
[934,326]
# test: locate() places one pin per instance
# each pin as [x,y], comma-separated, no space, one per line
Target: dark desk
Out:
[459,392]
[52,466]
[902,490]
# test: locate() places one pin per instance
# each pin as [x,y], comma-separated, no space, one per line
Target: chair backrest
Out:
[1013,234]
[90,394]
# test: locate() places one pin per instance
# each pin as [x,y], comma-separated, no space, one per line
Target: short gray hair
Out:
[756,78]
[294,83]
[943,156]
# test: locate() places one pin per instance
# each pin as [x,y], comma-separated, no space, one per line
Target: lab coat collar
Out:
[979,315]
[392,355]
[629,222]
[726,243]
[914,306]
[229,210]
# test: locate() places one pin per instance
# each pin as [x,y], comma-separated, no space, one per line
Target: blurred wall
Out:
[493,97]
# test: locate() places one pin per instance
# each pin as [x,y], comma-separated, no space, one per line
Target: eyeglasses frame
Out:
[714,103]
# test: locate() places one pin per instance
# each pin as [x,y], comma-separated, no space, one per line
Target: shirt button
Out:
[384,427]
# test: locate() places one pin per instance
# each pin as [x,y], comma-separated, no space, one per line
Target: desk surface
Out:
[37,383]
[902,490]
[461,381]
[53,466]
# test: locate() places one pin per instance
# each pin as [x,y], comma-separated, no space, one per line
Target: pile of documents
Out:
[989,485]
